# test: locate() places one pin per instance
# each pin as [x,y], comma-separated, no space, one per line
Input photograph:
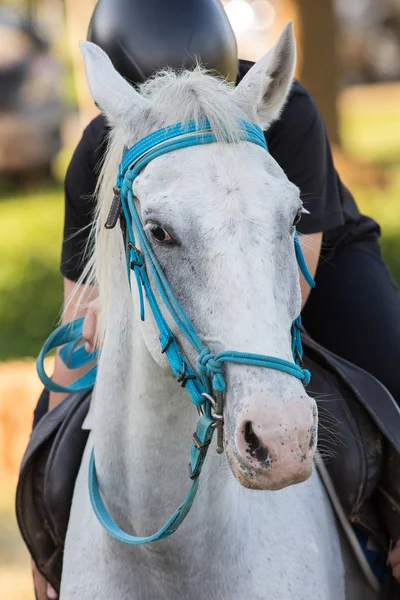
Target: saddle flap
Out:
[348,438]
[35,524]
[370,392]
[365,463]
[62,466]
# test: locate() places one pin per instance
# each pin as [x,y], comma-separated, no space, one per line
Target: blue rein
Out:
[209,377]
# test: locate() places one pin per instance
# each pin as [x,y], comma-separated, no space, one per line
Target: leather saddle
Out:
[46,483]
[359,426]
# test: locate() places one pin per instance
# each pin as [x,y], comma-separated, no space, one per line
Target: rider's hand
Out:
[89,327]
[394,559]
[77,299]
[43,589]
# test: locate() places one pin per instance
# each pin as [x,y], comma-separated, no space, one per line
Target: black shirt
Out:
[298,141]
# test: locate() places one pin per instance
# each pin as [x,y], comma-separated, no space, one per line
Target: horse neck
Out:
[143,425]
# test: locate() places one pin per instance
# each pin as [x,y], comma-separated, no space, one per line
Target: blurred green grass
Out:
[31,231]
[30,283]
[370,132]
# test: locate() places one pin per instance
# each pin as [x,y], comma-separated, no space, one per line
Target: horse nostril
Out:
[255,447]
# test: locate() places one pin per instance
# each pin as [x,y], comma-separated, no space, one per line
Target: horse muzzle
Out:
[273,443]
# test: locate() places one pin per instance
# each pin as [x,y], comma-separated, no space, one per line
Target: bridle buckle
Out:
[216,413]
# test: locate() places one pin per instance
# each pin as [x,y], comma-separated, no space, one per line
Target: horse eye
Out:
[160,234]
[297,218]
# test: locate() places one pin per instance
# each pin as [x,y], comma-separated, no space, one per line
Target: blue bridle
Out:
[207,381]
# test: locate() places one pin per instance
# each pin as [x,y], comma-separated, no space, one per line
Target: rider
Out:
[341,246]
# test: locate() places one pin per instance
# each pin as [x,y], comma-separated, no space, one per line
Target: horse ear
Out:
[109,90]
[263,90]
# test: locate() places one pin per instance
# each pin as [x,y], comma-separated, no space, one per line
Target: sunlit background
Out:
[349,57]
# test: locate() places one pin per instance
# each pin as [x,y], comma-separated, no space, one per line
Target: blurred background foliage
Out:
[30,282]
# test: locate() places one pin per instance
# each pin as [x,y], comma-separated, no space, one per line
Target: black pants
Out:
[354,311]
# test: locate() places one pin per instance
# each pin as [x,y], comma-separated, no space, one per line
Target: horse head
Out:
[220,219]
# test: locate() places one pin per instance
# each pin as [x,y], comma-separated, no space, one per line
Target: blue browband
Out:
[208,379]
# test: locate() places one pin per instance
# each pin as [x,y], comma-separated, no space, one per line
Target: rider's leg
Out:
[354,310]
[42,407]
[42,588]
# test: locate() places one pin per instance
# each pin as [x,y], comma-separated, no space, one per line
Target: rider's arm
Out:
[80,185]
[299,143]
[311,246]
[62,374]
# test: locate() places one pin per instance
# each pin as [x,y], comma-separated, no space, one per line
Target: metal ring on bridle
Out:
[218,416]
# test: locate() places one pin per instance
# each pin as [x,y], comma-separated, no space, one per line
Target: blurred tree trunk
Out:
[77,15]
[320,71]
[317,65]
[317,69]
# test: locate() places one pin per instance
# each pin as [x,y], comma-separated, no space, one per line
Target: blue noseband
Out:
[206,383]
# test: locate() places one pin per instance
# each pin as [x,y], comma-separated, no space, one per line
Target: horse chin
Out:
[262,479]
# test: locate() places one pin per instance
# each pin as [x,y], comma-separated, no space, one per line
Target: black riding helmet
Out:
[143,36]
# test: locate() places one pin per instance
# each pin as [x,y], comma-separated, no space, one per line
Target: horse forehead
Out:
[205,161]
[206,171]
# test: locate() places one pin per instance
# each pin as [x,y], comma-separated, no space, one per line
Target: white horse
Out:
[220,218]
